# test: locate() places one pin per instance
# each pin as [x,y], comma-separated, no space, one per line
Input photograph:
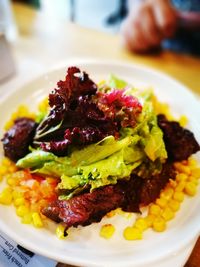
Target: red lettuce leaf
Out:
[74,118]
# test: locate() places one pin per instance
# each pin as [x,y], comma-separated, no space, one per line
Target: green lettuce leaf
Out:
[35,159]
[155,147]
[115,82]
[101,173]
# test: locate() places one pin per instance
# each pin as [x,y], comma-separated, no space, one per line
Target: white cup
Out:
[7,25]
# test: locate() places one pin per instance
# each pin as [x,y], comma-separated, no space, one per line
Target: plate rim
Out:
[141,67]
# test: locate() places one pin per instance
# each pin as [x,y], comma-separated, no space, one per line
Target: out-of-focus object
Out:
[187,37]
[187,5]
[7,25]
[7,68]
[189,20]
[7,34]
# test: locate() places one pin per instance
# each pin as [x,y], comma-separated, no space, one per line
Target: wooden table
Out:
[44,41]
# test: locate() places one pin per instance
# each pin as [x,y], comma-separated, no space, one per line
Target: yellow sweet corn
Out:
[159,224]
[167,214]
[141,224]
[174,205]
[181,177]
[60,231]
[12,168]
[17,194]
[22,210]
[132,233]
[182,168]
[162,202]
[190,189]
[43,105]
[6,162]
[183,120]
[107,231]
[180,186]
[193,180]
[179,196]
[37,221]
[12,181]
[8,125]
[3,170]
[27,218]
[149,219]
[18,201]
[154,209]
[195,173]
[167,193]
[6,196]
[192,162]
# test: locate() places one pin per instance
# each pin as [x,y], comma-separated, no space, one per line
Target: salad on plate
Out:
[94,149]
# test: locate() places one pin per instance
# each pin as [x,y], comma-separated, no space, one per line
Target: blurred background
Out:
[35,34]
[102,15]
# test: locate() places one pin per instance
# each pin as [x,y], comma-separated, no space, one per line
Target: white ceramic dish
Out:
[84,247]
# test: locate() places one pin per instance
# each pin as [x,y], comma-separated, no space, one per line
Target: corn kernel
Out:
[12,181]
[17,194]
[22,110]
[3,170]
[162,202]
[22,210]
[159,224]
[19,201]
[167,193]
[183,120]
[6,196]
[154,209]
[27,218]
[43,105]
[60,231]
[37,221]
[190,189]
[195,173]
[12,168]
[193,180]
[8,190]
[182,168]
[31,115]
[192,162]
[107,231]
[180,186]
[179,196]
[174,205]
[6,162]
[181,177]
[8,125]
[132,233]
[14,115]
[167,214]
[149,219]
[141,224]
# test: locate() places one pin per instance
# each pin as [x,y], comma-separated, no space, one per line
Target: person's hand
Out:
[148,24]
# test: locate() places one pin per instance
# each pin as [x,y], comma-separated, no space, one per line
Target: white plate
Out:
[84,246]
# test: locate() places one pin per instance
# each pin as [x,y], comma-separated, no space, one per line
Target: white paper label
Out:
[13,255]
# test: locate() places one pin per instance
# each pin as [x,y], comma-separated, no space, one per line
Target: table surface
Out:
[43,42]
